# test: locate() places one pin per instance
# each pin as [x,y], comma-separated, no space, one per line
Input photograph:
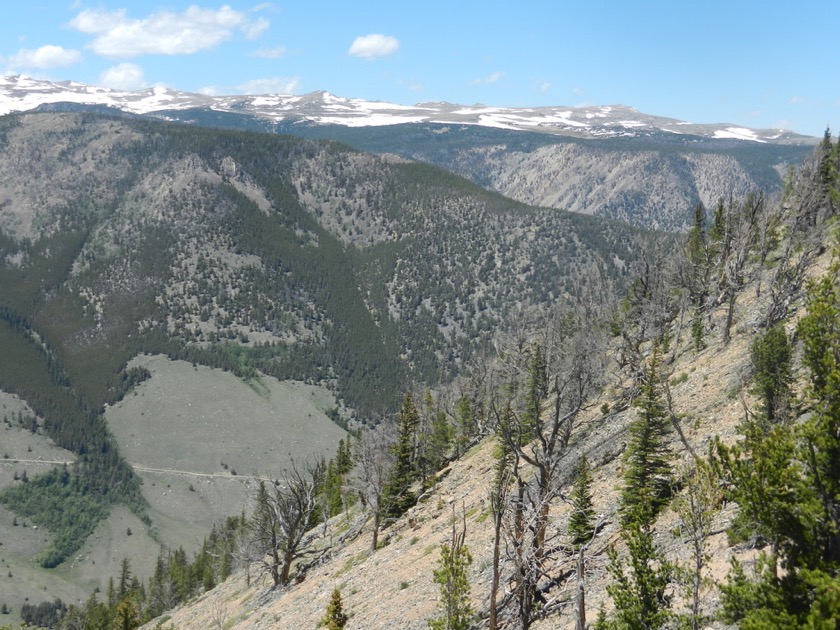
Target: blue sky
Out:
[756,64]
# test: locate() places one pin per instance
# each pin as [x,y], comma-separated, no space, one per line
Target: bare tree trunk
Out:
[494,586]
[730,315]
[374,540]
[580,596]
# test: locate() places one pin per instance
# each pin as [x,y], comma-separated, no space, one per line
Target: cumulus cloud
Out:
[491,78]
[269,53]
[274,85]
[45,57]
[374,46]
[124,76]
[164,33]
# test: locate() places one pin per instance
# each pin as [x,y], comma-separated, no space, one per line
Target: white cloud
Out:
[124,76]
[374,46]
[269,53]
[45,57]
[274,85]
[265,6]
[491,78]
[796,100]
[543,87]
[164,32]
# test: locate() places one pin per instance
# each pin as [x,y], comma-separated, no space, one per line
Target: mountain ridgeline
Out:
[651,182]
[651,179]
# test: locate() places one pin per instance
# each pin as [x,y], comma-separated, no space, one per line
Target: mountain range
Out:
[22,93]
[616,162]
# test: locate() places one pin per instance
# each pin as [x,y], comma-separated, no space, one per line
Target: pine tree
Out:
[451,576]
[439,442]
[581,521]
[787,482]
[696,507]
[771,358]
[126,615]
[125,579]
[647,478]
[464,423]
[335,618]
[536,397]
[397,496]
[827,169]
[640,594]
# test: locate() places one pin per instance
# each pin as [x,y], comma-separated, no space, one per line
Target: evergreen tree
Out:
[464,423]
[332,493]
[697,274]
[696,507]
[335,618]
[581,521]
[126,615]
[125,579]
[343,457]
[647,477]
[439,442]
[771,359]
[787,481]
[537,394]
[451,577]
[640,594]
[828,170]
[397,494]
[337,469]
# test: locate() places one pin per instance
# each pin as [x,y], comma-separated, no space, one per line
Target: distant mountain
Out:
[21,93]
[611,161]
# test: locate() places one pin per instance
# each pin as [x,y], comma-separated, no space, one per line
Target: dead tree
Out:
[742,221]
[375,459]
[283,513]
[565,368]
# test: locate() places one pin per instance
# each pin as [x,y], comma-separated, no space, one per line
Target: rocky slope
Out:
[393,588]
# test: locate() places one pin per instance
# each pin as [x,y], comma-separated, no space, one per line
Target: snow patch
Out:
[737,133]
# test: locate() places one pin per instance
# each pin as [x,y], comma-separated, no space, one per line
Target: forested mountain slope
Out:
[706,413]
[191,236]
[255,253]
[650,180]
[374,276]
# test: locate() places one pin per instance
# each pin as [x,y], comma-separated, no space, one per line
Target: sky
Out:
[760,64]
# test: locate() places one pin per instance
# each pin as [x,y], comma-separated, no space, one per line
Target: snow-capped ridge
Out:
[19,93]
